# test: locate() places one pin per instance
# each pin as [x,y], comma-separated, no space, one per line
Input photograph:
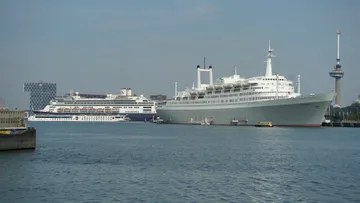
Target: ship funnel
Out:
[198,76]
[123,92]
[204,69]
[210,75]
[128,92]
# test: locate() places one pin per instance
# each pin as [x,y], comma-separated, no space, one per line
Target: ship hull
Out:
[74,118]
[132,116]
[141,117]
[300,111]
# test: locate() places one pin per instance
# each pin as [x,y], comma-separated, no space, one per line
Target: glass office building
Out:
[41,93]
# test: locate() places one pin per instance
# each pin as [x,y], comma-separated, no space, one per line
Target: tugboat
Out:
[264,124]
[158,120]
[234,122]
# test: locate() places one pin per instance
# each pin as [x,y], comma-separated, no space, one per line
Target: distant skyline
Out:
[101,46]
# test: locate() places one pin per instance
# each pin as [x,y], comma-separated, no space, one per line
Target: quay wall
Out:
[349,124]
[17,139]
[14,134]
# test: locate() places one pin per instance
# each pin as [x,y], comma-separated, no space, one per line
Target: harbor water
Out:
[144,162]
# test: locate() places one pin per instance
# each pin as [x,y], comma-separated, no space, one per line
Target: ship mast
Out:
[176,89]
[268,72]
[277,86]
[298,84]
[204,63]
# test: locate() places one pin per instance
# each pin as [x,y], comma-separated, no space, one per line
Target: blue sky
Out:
[101,46]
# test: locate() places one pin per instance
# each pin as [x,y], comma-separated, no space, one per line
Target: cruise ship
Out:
[236,100]
[137,108]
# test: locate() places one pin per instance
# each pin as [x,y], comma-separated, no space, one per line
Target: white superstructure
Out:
[238,89]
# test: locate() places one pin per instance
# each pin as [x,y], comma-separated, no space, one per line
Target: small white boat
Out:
[234,122]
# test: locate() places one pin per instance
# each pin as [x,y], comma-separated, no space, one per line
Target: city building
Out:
[2,104]
[41,93]
[358,100]
[158,97]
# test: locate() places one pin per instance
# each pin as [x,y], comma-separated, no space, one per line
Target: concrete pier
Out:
[14,134]
[349,124]
[17,139]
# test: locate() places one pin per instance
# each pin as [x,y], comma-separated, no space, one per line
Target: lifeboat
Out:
[201,91]
[218,86]
[228,85]
[210,87]
[238,84]
[193,92]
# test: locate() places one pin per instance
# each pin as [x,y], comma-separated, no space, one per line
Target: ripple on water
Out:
[171,163]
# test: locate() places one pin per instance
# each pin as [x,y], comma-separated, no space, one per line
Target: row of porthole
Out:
[236,100]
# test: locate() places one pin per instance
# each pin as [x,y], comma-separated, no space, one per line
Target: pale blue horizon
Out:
[100,47]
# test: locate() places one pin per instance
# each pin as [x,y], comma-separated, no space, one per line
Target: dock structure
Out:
[14,134]
[351,124]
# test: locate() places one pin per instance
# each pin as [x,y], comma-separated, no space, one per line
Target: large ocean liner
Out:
[137,108]
[245,101]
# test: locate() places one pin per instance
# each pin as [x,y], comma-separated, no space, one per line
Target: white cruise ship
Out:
[137,108]
[246,101]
